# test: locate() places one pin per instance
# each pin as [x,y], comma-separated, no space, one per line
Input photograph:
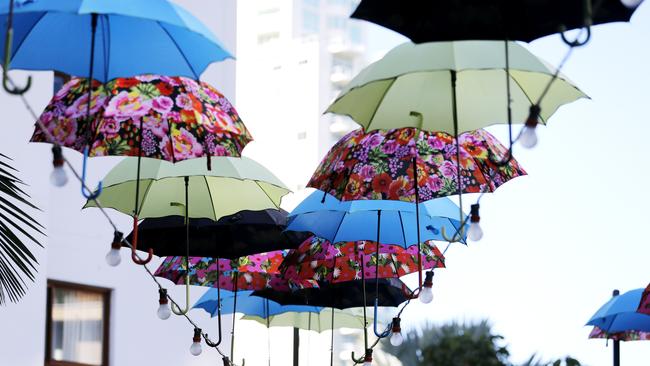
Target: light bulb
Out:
[58,178]
[113,257]
[631,4]
[195,348]
[164,312]
[475,233]
[367,363]
[528,137]
[426,295]
[396,339]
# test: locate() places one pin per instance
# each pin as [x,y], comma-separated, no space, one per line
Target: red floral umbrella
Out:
[644,305]
[318,259]
[379,165]
[252,272]
[631,335]
[171,118]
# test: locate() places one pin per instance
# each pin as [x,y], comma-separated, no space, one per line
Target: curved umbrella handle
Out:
[576,42]
[386,333]
[456,237]
[177,310]
[134,246]
[359,360]
[84,191]
[9,38]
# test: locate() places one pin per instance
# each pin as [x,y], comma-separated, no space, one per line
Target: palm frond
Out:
[17,263]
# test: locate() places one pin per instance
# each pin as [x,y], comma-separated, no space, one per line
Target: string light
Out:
[631,4]
[58,177]
[475,233]
[164,311]
[528,137]
[396,339]
[195,348]
[426,295]
[113,257]
[367,359]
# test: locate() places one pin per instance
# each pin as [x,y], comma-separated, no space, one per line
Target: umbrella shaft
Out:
[617,353]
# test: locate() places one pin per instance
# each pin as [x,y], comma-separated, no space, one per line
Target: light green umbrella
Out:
[412,86]
[233,185]
[319,322]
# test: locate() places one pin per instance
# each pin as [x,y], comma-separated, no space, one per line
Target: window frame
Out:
[106,297]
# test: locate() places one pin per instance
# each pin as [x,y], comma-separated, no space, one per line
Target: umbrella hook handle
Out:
[454,238]
[577,42]
[134,246]
[84,191]
[205,337]
[587,12]
[176,309]
[387,332]
[359,360]
[9,37]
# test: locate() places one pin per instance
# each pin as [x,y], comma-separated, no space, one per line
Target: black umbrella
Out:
[455,20]
[233,236]
[341,295]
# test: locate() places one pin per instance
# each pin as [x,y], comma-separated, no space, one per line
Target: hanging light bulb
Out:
[195,348]
[426,294]
[58,178]
[631,4]
[528,137]
[475,233]
[164,311]
[367,359]
[396,339]
[113,257]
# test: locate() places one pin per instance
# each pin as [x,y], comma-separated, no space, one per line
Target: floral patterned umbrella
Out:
[379,165]
[644,305]
[252,272]
[171,118]
[630,335]
[318,259]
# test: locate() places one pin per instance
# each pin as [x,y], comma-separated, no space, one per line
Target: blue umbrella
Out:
[130,38]
[246,304]
[338,221]
[619,314]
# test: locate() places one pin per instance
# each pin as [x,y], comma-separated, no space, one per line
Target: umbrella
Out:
[338,295]
[243,233]
[380,165]
[644,304]
[319,321]
[451,87]
[320,260]
[130,38]
[326,217]
[619,316]
[168,118]
[630,335]
[524,20]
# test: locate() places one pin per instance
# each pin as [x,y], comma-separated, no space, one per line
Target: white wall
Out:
[77,241]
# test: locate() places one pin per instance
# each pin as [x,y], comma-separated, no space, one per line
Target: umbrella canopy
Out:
[644,305]
[131,38]
[630,335]
[326,217]
[246,232]
[414,86]
[319,322]
[341,295]
[320,260]
[380,165]
[233,185]
[252,272]
[619,314]
[169,118]
[247,305]
[523,20]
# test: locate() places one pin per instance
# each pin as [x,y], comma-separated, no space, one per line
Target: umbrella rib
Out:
[526,94]
[144,196]
[381,101]
[399,213]
[207,185]
[196,76]
[265,193]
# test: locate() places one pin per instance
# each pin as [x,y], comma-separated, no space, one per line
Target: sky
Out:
[558,241]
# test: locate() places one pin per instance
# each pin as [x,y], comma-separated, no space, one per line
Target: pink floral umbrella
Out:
[644,305]
[318,259]
[631,335]
[169,118]
[380,165]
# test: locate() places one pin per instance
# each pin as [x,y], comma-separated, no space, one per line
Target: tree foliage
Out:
[17,262]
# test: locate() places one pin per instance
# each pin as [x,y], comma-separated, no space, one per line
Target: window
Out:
[336,22]
[310,21]
[77,325]
[312,3]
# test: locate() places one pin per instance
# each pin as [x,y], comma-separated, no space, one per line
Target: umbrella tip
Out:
[615,293]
